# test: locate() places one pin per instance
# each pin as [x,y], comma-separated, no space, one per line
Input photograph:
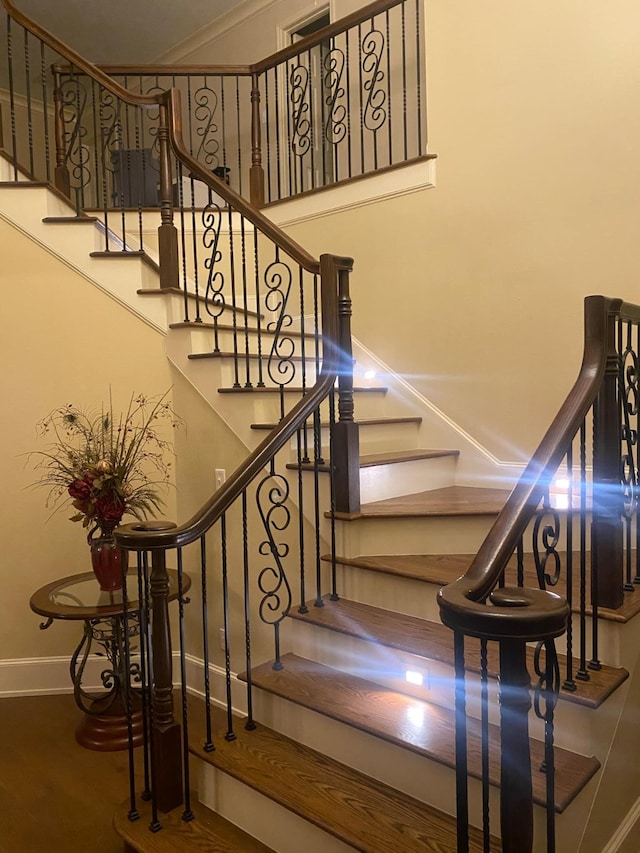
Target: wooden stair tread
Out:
[208,832]
[362,812]
[434,640]
[374,459]
[178,291]
[227,327]
[449,501]
[360,421]
[384,713]
[290,390]
[265,356]
[441,569]
[70,220]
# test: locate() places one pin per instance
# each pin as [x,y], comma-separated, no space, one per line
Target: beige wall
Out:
[474,289]
[63,341]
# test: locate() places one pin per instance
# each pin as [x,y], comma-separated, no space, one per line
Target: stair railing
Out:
[570,524]
[269,288]
[341,103]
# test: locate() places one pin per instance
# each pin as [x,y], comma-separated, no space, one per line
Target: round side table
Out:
[104,725]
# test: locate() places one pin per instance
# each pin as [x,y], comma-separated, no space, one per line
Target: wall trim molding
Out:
[46,675]
[369,189]
[622,832]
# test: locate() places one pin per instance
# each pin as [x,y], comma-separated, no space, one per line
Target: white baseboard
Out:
[42,676]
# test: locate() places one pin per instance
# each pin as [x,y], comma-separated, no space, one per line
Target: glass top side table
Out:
[105,724]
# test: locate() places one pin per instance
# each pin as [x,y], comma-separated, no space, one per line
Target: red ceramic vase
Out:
[108,562]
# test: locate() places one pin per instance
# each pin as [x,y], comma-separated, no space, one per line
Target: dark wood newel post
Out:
[166,741]
[167,233]
[346,442]
[61,173]
[256,173]
[516,803]
[606,531]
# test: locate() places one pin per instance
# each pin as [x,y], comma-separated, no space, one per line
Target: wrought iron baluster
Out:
[389,115]
[332,499]
[143,614]
[549,535]
[403,28]
[27,74]
[278,279]
[484,727]
[462,795]
[569,683]
[317,461]
[636,579]
[133,813]
[376,106]
[628,379]
[348,88]
[230,734]
[545,700]
[250,724]
[245,299]
[582,673]
[183,248]
[187,813]
[290,155]
[214,293]
[45,103]
[272,496]
[95,177]
[303,584]
[208,742]
[520,562]
[595,568]
[419,74]
[234,301]
[361,97]
[256,264]
[239,132]
[335,128]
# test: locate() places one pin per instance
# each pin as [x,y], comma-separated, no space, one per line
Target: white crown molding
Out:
[214,30]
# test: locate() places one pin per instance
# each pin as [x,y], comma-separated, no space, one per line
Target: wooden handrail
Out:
[537,613]
[78,61]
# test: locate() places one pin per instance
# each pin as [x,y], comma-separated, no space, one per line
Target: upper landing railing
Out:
[335,106]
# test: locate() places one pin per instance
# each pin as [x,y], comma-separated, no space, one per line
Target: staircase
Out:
[344,736]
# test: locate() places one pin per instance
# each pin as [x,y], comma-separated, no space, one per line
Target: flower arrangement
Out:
[107,466]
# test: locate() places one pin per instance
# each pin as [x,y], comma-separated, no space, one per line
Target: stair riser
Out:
[426,535]
[404,770]
[259,816]
[578,728]
[378,482]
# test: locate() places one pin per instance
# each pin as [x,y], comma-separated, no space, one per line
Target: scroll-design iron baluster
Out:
[76,154]
[214,297]
[545,699]
[272,496]
[546,532]
[629,396]
[112,138]
[336,128]
[206,105]
[375,110]
[278,279]
[301,134]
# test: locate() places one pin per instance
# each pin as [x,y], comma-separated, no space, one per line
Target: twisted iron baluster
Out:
[250,724]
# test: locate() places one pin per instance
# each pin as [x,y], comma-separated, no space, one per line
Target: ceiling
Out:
[124,31]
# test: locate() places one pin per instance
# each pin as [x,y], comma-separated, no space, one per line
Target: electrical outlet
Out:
[220,476]
[221,638]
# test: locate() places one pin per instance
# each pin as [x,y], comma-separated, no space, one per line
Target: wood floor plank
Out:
[434,640]
[385,714]
[207,833]
[360,811]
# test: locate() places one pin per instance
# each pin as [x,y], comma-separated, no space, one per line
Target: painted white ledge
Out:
[369,190]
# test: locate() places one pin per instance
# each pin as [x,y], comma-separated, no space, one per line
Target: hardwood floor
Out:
[55,796]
